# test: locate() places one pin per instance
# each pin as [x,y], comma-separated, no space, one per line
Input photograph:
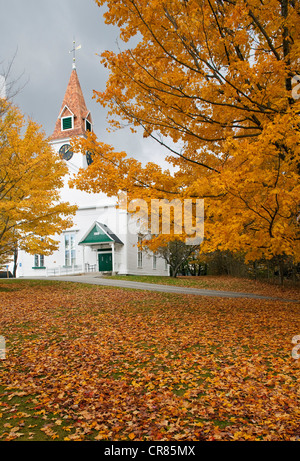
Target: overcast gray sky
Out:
[40,33]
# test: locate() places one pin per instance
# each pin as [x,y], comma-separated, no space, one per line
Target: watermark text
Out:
[162,216]
[296,87]
[2,348]
[296,349]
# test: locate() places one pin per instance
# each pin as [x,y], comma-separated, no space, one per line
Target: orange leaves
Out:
[211,82]
[31,176]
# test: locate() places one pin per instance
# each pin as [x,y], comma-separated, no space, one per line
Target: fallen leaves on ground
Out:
[85,362]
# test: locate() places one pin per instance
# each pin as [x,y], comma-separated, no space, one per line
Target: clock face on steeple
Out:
[65,152]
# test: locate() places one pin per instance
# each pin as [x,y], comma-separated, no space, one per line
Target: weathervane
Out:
[75,48]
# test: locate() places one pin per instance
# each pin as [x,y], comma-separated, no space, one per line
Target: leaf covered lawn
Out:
[92,363]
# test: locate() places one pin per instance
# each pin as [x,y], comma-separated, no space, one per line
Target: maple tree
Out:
[211,81]
[31,175]
[175,253]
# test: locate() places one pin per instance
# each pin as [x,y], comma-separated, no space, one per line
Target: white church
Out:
[101,239]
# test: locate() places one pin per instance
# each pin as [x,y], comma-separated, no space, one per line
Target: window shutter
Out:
[67,123]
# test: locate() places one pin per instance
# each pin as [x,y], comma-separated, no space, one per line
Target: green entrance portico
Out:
[103,240]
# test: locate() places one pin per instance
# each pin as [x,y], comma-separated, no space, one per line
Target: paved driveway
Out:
[94,279]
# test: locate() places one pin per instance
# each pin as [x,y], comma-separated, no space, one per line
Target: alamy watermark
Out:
[296,96]
[2,348]
[161,216]
[296,349]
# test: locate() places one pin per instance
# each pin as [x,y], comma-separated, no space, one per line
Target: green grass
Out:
[220,283]
[26,421]
[178,281]
[205,282]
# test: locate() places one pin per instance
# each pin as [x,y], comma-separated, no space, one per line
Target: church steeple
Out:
[74,118]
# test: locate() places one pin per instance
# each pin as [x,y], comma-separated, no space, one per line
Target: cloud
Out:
[42,32]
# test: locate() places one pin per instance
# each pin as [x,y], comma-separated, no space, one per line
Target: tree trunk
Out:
[254,268]
[294,273]
[281,271]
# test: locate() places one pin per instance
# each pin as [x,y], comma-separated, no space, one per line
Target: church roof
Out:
[73,108]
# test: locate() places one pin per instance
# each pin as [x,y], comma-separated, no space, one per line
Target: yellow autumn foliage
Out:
[31,176]
[215,77]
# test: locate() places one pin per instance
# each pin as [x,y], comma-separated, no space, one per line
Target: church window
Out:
[67,123]
[70,252]
[39,261]
[154,262]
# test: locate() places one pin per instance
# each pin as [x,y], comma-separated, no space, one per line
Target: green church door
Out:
[105,262]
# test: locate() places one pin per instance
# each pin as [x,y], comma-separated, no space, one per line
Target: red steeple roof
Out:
[74,107]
